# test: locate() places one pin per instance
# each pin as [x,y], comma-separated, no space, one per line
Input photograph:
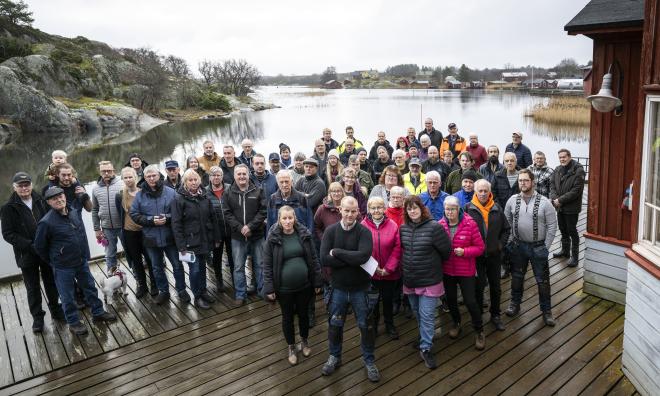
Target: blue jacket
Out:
[523,155]
[269,184]
[61,240]
[298,202]
[149,203]
[436,206]
[463,197]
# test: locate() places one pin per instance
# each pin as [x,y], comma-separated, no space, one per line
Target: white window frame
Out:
[645,247]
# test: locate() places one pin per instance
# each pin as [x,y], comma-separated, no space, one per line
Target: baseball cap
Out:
[273,157]
[53,192]
[518,133]
[171,164]
[21,177]
[451,125]
[415,161]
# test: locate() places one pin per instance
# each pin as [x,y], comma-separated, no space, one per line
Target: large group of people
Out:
[398,228]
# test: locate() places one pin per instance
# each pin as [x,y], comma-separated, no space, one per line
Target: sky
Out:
[304,37]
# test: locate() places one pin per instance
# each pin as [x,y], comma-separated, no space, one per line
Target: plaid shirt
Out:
[542,177]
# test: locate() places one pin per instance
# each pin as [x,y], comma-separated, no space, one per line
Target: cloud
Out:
[297,37]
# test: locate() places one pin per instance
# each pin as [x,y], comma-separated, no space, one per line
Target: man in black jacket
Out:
[19,225]
[566,187]
[311,184]
[434,134]
[345,247]
[245,212]
[495,230]
[380,142]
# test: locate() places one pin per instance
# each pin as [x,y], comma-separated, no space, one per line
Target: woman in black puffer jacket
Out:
[195,230]
[425,247]
[290,270]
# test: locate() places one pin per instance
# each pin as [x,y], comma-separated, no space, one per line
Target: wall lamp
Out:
[604,101]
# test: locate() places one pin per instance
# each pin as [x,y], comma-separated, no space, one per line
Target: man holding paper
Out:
[345,247]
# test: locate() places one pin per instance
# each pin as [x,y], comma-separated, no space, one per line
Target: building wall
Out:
[605,270]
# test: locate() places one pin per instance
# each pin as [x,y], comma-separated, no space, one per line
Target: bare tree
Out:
[178,67]
[207,68]
[235,77]
[151,74]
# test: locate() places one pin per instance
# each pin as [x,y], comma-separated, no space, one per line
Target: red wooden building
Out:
[622,255]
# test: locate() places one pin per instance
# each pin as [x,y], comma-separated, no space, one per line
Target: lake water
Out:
[303,114]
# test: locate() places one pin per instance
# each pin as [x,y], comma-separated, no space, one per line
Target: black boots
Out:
[575,252]
[565,249]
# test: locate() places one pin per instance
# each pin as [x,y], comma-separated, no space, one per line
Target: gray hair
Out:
[283,173]
[425,138]
[478,183]
[433,174]
[216,169]
[397,190]
[398,152]
[240,166]
[151,169]
[300,156]
[452,200]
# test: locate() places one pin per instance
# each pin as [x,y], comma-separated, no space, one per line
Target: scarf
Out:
[484,209]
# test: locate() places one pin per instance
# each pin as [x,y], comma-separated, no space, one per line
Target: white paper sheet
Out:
[370,266]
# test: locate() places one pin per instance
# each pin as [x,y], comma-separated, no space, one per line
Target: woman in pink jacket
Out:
[387,251]
[460,269]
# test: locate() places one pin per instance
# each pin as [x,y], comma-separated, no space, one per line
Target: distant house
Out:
[453,84]
[403,82]
[549,84]
[333,84]
[570,83]
[347,82]
[533,84]
[514,76]
[421,84]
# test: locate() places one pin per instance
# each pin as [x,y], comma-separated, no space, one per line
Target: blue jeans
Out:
[197,270]
[158,264]
[240,250]
[112,235]
[424,309]
[64,281]
[537,254]
[338,304]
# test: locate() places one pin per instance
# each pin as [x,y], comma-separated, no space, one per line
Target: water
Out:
[303,114]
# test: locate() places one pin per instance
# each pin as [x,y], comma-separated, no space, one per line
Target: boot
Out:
[513,309]
[544,292]
[304,348]
[480,341]
[219,285]
[153,289]
[575,252]
[455,331]
[293,355]
[548,319]
[141,290]
[565,249]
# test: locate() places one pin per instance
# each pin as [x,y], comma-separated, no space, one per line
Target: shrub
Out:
[66,56]
[10,47]
[213,101]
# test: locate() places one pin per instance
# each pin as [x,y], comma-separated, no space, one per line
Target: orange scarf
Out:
[484,209]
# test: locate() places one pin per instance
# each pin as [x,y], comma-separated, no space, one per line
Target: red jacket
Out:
[395,214]
[467,237]
[386,247]
[479,155]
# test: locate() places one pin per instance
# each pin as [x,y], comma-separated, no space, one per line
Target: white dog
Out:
[112,284]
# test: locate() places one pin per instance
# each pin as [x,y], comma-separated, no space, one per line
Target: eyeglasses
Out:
[391,176]
[451,209]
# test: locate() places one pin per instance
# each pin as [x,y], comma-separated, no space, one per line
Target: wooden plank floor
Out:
[178,349]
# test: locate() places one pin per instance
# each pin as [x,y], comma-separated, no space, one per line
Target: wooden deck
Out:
[177,349]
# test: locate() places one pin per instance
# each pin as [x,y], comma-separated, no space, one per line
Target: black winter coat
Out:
[273,261]
[567,185]
[373,153]
[19,226]
[425,247]
[245,208]
[193,222]
[218,206]
[501,189]
[498,231]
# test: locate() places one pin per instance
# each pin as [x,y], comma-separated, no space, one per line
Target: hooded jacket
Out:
[425,247]
[496,235]
[373,153]
[141,180]
[228,171]
[104,210]
[567,185]
[273,258]
[297,202]
[386,247]
[245,208]
[19,226]
[149,203]
[61,240]
[193,222]
[468,238]
[268,183]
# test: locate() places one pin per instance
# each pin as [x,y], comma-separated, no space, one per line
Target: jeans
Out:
[293,304]
[217,259]
[424,309]
[197,271]
[241,249]
[338,304]
[521,255]
[112,235]
[64,278]
[33,287]
[488,273]
[467,284]
[386,290]
[158,264]
[134,250]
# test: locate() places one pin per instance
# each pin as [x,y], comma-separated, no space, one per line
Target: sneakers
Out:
[497,322]
[372,372]
[304,348]
[184,296]
[201,303]
[391,332]
[78,328]
[455,331]
[207,297]
[105,317]
[332,364]
[293,355]
[162,298]
[480,341]
[548,319]
[38,324]
[513,309]
[141,290]
[429,360]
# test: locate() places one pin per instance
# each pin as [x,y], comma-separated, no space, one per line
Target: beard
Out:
[493,159]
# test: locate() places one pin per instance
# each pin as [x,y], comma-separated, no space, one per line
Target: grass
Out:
[563,110]
[87,102]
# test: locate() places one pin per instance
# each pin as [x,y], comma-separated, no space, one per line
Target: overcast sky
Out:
[304,37]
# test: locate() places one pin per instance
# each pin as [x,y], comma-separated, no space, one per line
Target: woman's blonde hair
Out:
[285,209]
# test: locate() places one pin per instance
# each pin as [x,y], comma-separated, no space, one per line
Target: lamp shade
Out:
[605,101]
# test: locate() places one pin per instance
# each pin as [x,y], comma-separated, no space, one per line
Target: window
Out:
[649,216]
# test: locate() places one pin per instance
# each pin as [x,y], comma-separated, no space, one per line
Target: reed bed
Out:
[563,110]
